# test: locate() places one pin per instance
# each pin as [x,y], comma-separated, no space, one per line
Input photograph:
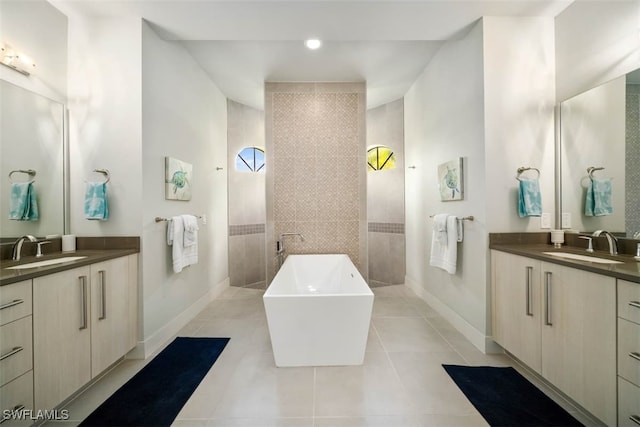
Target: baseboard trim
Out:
[149,346]
[482,342]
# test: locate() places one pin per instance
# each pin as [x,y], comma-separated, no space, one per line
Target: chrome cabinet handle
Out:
[11,304]
[103,289]
[83,292]
[635,419]
[635,355]
[15,409]
[547,297]
[11,353]
[528,309]
[635,304]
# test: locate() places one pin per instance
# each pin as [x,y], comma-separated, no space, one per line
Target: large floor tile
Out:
[392,307]
[408,334]
[350,391]
[373,421]
[451,420]
[259,389]
[431,389]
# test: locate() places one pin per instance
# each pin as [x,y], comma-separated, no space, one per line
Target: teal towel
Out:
[23,205]
[598,199]
[95,201]
[529,198]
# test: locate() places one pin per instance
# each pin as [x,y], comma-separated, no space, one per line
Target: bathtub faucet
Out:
[280,245]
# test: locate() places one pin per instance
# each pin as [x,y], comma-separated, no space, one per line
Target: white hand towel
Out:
[440,228]
[445,256]
[190,230]
[182,257]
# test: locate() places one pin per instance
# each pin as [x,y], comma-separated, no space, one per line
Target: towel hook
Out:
[592,169]
[523,169]
[30,172]
[105,172]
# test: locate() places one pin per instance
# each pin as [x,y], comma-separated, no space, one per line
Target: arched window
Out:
[250,159]
[380,158]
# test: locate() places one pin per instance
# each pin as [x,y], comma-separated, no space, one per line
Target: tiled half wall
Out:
[316,175]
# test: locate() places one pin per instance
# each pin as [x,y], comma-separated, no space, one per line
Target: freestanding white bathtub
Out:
[318,311]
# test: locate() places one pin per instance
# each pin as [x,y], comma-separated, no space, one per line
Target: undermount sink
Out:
[578,257]
[46,262]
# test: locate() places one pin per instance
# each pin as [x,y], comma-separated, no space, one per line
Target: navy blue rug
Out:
[156,394]
[505,398]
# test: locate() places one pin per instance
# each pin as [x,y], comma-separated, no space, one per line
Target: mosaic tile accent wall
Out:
[241,230]
[385,227]
[632,160]
[316,182]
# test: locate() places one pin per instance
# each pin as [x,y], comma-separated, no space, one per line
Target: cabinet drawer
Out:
[17,396]
[16,349]
[628,404]
[629,351]
[629,300]
[15,301]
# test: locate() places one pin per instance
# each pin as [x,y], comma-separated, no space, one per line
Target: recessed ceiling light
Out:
[313,44]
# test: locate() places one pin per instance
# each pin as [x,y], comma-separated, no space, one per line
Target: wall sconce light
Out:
[19,62]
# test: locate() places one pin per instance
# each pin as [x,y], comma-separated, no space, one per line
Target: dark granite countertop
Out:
[628,270]
[92,256]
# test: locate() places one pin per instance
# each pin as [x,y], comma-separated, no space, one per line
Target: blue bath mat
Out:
[156,394]
[505,398]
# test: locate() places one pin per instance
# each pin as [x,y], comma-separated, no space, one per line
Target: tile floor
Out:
[400,384]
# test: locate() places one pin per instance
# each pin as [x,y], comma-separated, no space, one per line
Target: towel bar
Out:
[160,219]
[465,218]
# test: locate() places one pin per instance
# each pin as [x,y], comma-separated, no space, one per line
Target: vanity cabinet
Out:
[628,353]
[16,351]
[579,337]
[516,307]
[561,322]
[82,324]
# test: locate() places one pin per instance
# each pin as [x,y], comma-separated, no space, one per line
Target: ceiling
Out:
[241,44]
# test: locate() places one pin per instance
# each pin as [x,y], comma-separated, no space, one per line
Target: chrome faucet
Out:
[613,241]
[280,245]
[17,246]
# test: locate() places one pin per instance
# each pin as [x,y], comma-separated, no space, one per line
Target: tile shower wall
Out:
[385,197]
[316,175]
[632,160]
[246,200]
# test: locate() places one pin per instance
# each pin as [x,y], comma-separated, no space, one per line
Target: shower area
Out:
[316,162]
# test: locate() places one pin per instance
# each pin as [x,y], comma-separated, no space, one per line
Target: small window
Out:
[380,158]
[250,159]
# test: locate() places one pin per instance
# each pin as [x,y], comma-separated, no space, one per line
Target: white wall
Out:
[519,99]
[593,134]
[487,98]
[444,120]
[184,115]
[596,41]
[105,120]
[25,25]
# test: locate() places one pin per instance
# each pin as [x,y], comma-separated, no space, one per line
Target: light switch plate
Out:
[566,220]
[545,220]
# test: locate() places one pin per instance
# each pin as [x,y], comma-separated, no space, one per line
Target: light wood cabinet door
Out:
[61,335]
[579,337]
[15,397]
[109,313]
[516,306]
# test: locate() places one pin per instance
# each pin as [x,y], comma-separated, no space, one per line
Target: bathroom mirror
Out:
[601,128]
[31,137]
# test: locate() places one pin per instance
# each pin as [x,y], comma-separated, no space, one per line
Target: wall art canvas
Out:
[178,179]
[450,180]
